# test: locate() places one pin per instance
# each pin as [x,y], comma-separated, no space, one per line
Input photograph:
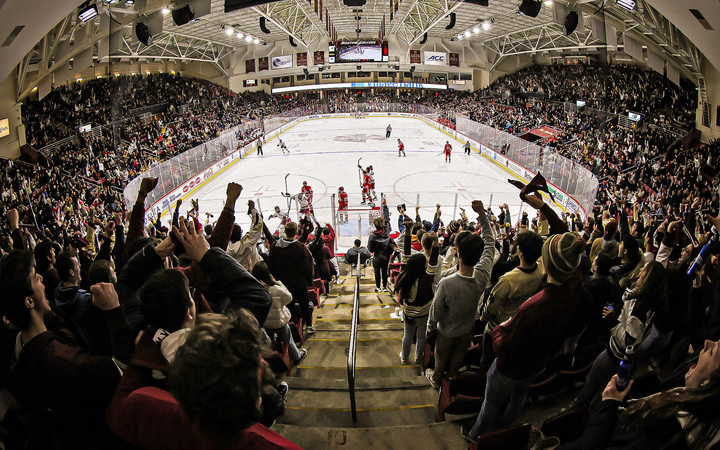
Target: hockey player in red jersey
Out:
[342,205]
[401,148]
[448,150]
[368,181]
[307,190]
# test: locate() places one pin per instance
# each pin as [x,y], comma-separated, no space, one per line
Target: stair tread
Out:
[362,383]
[437,436]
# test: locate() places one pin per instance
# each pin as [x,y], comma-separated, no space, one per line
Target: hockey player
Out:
[447,150]
[304,204]
[401,148]
[283,216]
[282,146]
[388,130]
[342,205]
[371,182]
[307,190]
[366,196]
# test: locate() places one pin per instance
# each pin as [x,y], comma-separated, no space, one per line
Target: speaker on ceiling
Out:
[305,71]
[530,8]
[263,28]
[183,15]
[477,2]
[451,25]
[412,69]
[292,41]
[571,23]
[143,33]
[424,39]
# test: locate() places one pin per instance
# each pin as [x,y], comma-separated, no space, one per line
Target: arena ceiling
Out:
[498,28]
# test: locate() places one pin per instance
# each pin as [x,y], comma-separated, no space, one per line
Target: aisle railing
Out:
[352,348]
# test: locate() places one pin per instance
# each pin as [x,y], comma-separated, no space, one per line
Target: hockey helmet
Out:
[304,183]
[341,188]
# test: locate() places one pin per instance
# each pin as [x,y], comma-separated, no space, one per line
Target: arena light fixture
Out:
[228,30]
[240,35]
[88,11]
[476,30]
[165,11]
[468,34]
[486,25]
[256,41]
[248,38]
[627,4]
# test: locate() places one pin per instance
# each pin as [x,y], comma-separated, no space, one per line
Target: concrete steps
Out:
[396,405]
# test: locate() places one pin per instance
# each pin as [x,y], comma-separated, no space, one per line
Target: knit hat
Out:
[561,255]
[610,229]
[453,227]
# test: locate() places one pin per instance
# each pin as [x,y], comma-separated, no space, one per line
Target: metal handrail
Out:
[352,348]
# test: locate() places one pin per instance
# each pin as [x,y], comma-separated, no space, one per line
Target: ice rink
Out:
[325,152]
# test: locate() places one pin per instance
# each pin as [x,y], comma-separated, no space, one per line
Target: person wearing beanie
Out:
[607,243]
[527,341]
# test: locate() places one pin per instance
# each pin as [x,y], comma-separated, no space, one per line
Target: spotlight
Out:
[486,26]
[229,31]
[256,41]
[87,12]
[476,30]
[467,34]
[240,35]
[165,10]
[248,38]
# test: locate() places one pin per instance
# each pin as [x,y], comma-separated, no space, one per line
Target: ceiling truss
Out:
[421,17]
[296,19]
[175,46]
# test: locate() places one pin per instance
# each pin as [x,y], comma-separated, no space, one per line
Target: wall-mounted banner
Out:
[455,59]
[302,59]
[319,57]
[249,65]
[436,58]
[281,62]
[414,56]
[4,127]
[263,63]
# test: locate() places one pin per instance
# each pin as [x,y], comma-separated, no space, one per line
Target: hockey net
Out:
[359,221]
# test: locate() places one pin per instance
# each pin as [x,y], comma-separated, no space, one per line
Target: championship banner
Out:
[302,59]
[414,56]
[4,127]
[249,65]
[436,58]
[281,62]
[263,63]
[319,58]
[455,59]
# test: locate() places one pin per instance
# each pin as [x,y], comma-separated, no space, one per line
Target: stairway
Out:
[396,405]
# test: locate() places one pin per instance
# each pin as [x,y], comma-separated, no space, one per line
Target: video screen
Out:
[360,51]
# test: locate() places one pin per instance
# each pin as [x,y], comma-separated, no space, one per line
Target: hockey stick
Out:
[287,191]
[359,174]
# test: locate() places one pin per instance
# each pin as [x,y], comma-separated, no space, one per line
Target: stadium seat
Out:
[566,426]
[463,394]
[296,331]
[280,362]
[514,438]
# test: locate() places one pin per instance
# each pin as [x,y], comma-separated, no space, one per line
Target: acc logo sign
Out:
[437,58]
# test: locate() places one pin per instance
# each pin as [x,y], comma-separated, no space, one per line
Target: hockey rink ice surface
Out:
[325,152]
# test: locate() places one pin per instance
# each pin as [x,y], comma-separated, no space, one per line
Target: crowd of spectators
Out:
[90,292]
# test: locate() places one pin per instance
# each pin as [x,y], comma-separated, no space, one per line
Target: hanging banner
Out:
[249,65]
[455,59]
[263,63]
[436,58]
[414,56]
[281,62]
[319,58]
[302,59]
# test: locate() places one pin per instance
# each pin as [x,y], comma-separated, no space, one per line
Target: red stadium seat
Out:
[463,394]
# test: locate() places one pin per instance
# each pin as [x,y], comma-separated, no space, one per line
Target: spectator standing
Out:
[454,306]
